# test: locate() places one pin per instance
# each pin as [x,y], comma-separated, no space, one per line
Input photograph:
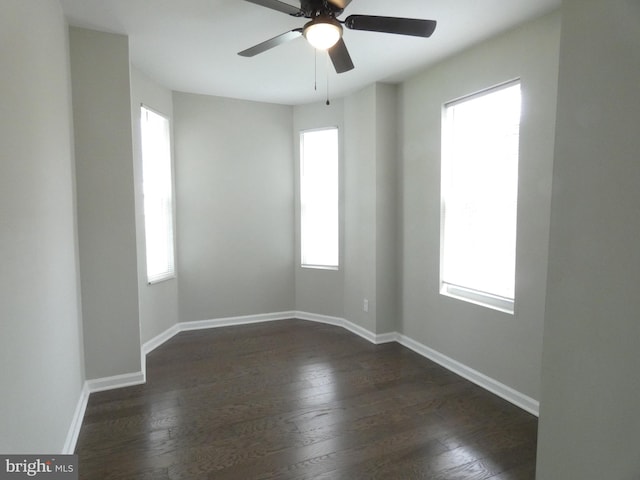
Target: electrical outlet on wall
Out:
[365,305]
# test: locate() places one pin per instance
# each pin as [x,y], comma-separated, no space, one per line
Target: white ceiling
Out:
[192,45]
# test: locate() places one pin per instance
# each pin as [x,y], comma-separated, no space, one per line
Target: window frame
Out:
[314,266]
[460,292]
[170,272]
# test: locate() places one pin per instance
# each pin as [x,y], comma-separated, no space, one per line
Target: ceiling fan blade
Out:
[272,42]
[279,6]
[401,26]
[342,4]
[340,57]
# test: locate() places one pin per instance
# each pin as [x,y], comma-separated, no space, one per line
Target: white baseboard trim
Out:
[386,338]
[117,381]
[316,317]
[377,339]
[338,322]
[521,400]
[168,334]
[232,321]
[266,317]
[92,386]
[155,342]
[76,422]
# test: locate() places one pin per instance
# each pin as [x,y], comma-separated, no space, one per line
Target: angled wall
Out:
[106,207]
[371,208]
[319,291]
[504,347]
[41,365]
[589,423]
[360,196]
[234,197]
[159,301]
[388,225]
[368,211]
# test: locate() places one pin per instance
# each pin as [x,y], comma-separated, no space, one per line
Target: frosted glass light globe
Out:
[323,33]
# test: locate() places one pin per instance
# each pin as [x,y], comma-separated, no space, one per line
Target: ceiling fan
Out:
[324,30]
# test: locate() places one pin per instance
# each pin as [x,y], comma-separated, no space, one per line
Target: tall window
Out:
[157,188]
[479,197]
[319,198]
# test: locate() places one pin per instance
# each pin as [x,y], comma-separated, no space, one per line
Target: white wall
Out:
[371,208]
[158,302]
[106,206]
[388,211]
[234,195]
[507,348]
[360,207]
[589,422]
[41,370]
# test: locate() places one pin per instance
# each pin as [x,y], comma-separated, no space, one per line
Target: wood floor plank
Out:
[300,400]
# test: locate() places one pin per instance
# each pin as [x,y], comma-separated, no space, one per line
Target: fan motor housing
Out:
[313,8]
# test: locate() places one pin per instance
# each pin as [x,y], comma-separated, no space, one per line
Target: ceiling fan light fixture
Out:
[323,32]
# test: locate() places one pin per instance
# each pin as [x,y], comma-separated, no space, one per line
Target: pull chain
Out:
[315,71]
[327,71]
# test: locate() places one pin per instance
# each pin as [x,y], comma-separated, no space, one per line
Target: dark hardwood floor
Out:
[301,400]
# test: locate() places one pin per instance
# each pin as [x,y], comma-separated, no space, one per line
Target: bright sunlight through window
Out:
[479,197]
[157,188]
[319,198]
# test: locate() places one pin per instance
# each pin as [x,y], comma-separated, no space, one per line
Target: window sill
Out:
[495,302]
[320,267]
[155,281]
